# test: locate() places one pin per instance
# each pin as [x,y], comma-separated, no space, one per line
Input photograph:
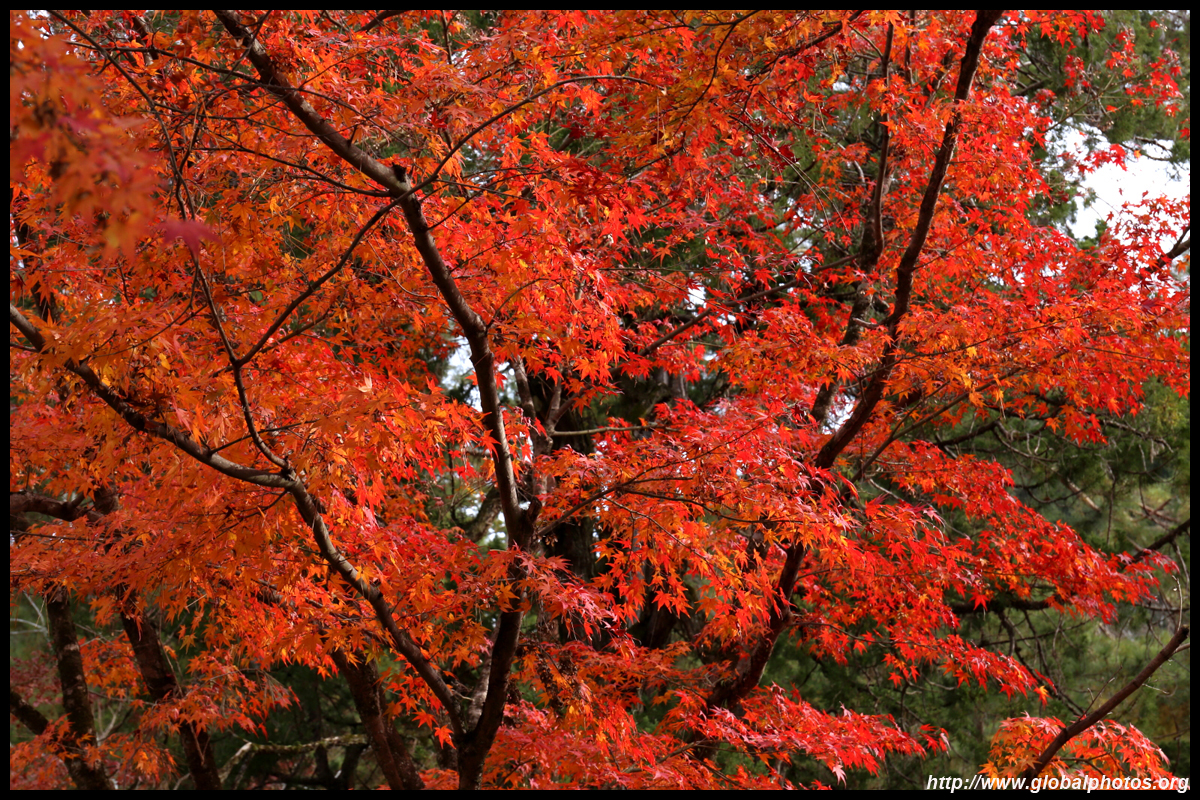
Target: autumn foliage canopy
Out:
[547,381]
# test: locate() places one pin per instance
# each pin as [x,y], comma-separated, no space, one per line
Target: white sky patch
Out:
[1115,186]
[461,369]
[839,411]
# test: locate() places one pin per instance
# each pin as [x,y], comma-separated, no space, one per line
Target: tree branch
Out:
[138,421]
[984,19]
[87,772]
[288,480]
[475,745]
[734,690]
[1079,726]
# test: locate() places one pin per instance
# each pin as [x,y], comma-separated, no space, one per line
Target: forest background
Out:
[802,440]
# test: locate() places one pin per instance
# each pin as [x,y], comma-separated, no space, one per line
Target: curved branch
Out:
[733,690]
[1163,540]
[287,480]
[306,505]
[873,393]
[313,287]
[1079,726]
[239,382]
[504,113]
[139,421]
[716,65]
[474,744]
[294,100]
[474,329]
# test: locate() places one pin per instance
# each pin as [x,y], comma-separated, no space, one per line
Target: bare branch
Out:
[1079,726]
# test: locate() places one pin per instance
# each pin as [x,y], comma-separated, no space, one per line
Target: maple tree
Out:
[734,292]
